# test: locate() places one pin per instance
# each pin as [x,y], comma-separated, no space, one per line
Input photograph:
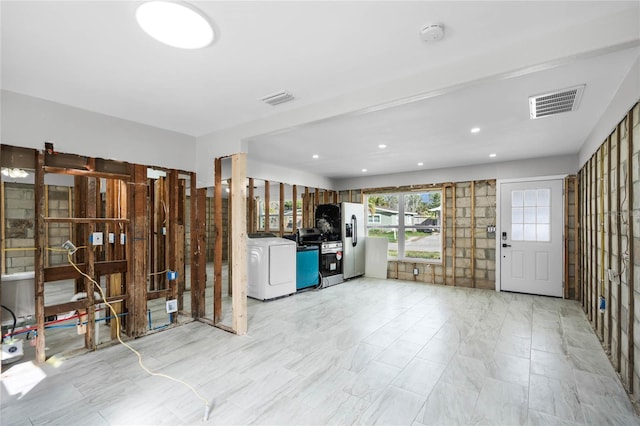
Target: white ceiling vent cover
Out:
[278,98]
[547,104]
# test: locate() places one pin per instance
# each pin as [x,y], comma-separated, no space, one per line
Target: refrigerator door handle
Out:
[354,225]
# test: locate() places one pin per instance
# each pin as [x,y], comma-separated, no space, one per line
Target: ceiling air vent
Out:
[278,98]
[547,104]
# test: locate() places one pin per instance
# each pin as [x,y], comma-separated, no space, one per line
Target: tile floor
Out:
[363,352]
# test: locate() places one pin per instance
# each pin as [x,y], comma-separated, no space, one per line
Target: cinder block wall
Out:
[610,241]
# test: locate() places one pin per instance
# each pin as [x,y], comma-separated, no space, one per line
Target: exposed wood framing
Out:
[566,238]
[171,239]
[316,201]
[198,199]
[609,243]
[46,225]
[294,196]
[473,234]
[137,243]
[305,208]
[618,355]
[217,247]
[3,243]
[267,205]
[444,233]
[630,258]
[92,192]
[239,243]
[251,205]
[229,248]
[39,255]
[453,233]
[281,214]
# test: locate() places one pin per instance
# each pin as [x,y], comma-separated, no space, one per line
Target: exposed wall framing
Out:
[610,217]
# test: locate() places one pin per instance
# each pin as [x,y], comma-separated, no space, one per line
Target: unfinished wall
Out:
[610,245]
[469,250]
[19,211]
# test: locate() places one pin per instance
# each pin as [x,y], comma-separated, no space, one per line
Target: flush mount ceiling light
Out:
[315,156]
[421,164]
[382,146]
[364,170]
[475,130]
[176,24]
[492,155]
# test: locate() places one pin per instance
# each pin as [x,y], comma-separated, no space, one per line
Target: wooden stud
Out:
[267,205]
[239,243]
[473,234]
[305,208]
[217,247]
[566,238]
[316,200]
[252,208]
[453,234]
[281,214]
[618,355]
[294,196]
[631,258]
[137,243]
[444,234]
[576,229]
[609,243]
[198,247]
[3,243]
[602,236]
[92,193]
[171,239]
[39,255]
[46,225]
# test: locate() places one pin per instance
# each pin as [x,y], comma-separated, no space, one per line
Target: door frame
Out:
[499,183]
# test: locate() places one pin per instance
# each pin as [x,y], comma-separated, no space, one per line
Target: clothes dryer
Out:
[272,267]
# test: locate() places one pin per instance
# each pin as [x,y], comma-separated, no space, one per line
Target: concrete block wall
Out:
[610,240]
[463,241]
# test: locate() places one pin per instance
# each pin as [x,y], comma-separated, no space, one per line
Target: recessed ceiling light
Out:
[492,155]
[364,170]
[421,164]
[315,156]
[175,24]
[475,129]
[382,146]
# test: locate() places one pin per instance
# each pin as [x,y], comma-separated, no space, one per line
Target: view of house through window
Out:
[410,221]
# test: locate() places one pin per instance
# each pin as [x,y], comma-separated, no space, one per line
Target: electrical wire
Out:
[152,373]
[15,321]
[159,273]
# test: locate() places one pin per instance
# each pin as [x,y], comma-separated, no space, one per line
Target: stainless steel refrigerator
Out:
[353,238]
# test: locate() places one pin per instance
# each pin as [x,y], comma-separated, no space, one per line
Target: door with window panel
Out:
[531,240]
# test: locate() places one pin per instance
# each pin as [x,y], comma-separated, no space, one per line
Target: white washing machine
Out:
[272,267]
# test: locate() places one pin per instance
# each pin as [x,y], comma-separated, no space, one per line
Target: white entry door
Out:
[531,238]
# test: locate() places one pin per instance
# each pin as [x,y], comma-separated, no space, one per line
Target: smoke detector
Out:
[432,32]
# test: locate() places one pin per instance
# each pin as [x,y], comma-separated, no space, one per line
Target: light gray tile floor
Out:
[363,352]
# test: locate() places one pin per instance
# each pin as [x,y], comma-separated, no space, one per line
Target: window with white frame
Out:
[410,221]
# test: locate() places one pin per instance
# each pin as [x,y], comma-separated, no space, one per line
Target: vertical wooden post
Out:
[252,225]
[316,200]
[618,354]
[630,258]
[305,208]
[267,205]
[453,234]
[39,255]
[294,196]
[46,225]
[473,233]
[92,194]
[217,247]
[609,244]
[602,238]
[566,238]
[171,239]
[80,210]
[239,243]
[3,259]
[198,248]
[281,213]
[443,233]
[137,244]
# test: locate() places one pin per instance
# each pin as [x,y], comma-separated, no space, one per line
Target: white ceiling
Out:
[92,55]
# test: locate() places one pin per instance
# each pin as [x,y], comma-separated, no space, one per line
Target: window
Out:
[531,215]
[410,221]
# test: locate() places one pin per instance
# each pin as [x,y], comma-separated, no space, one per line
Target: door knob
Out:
[506,245]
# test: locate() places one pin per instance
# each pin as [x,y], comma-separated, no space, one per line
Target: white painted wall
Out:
[547,166]
[28,122]
[628,94]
